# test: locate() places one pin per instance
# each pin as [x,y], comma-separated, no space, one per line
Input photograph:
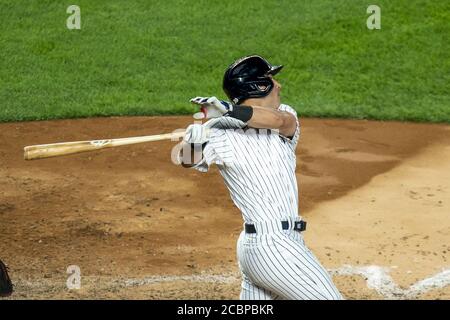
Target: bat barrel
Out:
[61,149]
[66,148]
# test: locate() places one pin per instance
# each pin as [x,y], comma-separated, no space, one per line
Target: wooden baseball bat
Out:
[64,148]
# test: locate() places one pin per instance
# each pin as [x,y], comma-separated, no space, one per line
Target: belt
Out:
[298,226]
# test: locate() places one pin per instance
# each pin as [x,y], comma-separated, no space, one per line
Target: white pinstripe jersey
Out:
[258,167]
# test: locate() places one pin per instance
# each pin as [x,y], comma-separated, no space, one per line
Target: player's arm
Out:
[253,116]
[267,118]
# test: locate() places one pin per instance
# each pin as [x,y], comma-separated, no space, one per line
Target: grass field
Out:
[149,57]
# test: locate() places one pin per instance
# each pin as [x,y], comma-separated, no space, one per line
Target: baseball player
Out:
[252,141]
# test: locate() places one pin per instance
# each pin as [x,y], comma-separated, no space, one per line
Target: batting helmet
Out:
[248,77]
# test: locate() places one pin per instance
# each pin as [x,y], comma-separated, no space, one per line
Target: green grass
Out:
[149,57]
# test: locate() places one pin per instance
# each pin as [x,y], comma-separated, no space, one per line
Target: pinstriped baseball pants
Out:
[278,265]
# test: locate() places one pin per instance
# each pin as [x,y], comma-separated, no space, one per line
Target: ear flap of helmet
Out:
[260,88]
[253,89]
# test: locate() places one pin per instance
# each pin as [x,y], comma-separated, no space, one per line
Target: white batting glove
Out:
[196,133]
[211,107]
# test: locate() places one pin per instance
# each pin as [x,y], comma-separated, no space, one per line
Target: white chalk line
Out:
[377,278]
[203,277]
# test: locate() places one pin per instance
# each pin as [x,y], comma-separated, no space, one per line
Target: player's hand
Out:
[211,107]
[196,133]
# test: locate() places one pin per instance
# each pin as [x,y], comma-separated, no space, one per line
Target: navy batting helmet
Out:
[248,77]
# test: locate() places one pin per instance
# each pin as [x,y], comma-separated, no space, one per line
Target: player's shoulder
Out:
[287,108]
[291,110]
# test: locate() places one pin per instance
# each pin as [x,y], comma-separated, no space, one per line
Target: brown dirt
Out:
[373,193]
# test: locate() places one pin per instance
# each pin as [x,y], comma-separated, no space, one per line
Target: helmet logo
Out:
[262,87]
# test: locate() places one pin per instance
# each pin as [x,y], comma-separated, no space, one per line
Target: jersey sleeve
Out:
[293,141]
[217,151]
[209,157]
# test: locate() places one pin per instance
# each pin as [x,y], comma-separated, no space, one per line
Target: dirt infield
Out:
[376,196]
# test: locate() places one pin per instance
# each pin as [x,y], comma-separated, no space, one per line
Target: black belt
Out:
[298,226]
